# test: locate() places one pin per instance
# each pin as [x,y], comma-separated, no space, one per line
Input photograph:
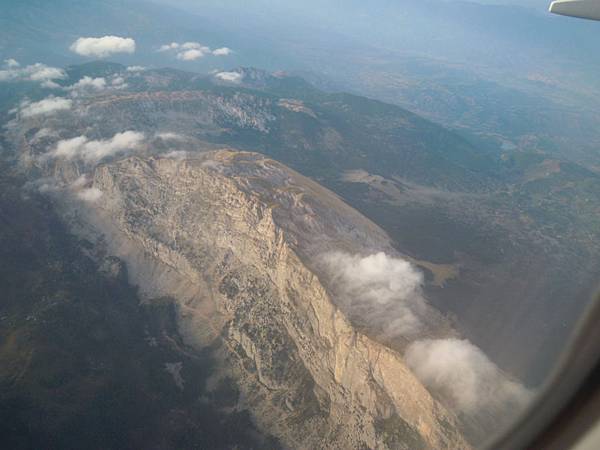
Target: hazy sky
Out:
[537,4]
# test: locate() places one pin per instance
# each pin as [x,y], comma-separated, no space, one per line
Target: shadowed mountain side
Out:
[82,361]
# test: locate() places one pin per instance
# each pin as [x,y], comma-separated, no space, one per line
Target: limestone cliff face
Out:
[232,238]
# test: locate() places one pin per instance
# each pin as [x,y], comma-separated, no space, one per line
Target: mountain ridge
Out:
[246,330]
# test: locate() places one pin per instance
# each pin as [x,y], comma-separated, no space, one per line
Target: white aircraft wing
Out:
[585,9]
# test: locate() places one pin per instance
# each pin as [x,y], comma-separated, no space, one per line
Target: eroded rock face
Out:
[233,238]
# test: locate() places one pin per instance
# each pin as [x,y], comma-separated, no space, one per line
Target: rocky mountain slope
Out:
[225,236]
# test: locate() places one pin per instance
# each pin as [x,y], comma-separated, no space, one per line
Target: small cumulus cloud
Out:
[43,133]
[11,63]
[68,148]
[46,187]
[49,84]
[191,51]
[40,73]
[167,47]
[90,195]
[118,83]
[103,46]
[385,293]
[465,377]
[89,83]
[176,154]
[43,107]
[379,290]
[211,164]
[135,68]
[230,77]
[80,182]
[87,194]
[194,45]
[169,136]
[190,55]
[95,150]
[223,51]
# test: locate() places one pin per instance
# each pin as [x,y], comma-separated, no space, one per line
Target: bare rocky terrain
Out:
[225,236]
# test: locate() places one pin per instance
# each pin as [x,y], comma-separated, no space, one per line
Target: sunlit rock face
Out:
[233,239]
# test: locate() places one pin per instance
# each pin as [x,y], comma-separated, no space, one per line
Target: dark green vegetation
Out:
[81,360]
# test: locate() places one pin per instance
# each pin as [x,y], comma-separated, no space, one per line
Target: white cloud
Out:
[80,182]
[103,46]
[176,154]
[378,290]
[213,165]
[38,72]
[120,142]
[43,133]
[167,47]
[135,68]
[465,377]
[191,51]
[384,293]
[11,63]
[223,51]
[47,106]
[93,151]
[49,84]
[118,83]
[89,83]
[195,45]
[47,187]
[44,73]
[230,77]
[168,136]
[69,148]
[190,55]
[90,195]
